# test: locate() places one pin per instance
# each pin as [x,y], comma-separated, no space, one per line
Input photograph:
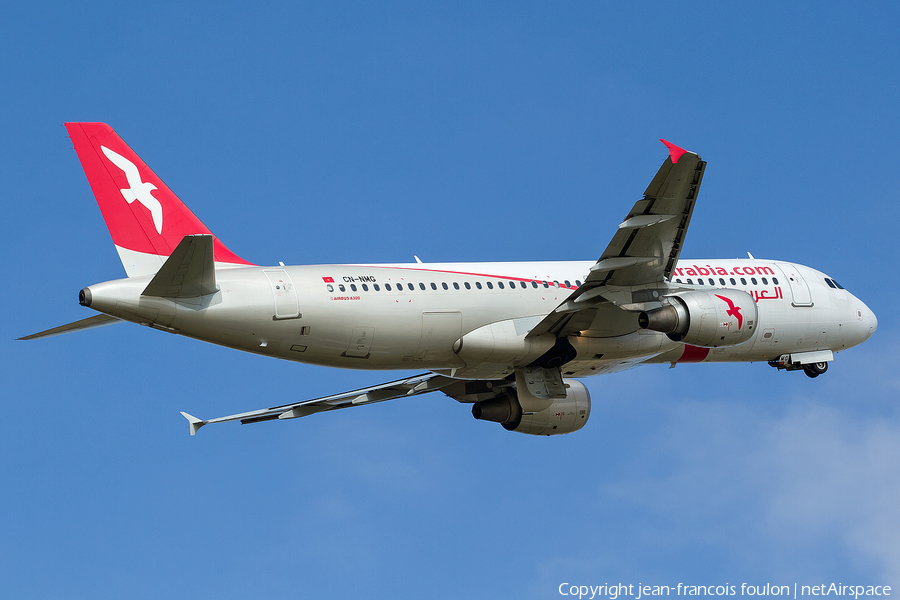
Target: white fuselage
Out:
[410,316]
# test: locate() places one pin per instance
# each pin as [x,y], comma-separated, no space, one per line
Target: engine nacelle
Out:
[564,415]
[705,318]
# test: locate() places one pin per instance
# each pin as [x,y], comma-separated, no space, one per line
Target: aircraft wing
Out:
[411,386]
[644,249]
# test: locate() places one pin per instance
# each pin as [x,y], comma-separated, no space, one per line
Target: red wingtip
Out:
[674,151]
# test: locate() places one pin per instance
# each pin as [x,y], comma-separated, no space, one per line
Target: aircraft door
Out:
[287,304]
[798,285]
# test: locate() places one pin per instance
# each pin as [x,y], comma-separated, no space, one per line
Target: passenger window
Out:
[743,281]
[522,283]
[478,284]
[555,283]
[455,286]
[546,285]
[690,282]
[567,283]
[577,283]
[411,287]
[421,286]
[377,289]
[330,288]
[753,279]
[468,286]
[444,285]
[534,284]
[490,285]
[775,281]
[365,288]
[342,288]
[711,282]
[353,287]
[721,281]
[387,286]
[765,281]
[500,284]
[433,286]
[733,282]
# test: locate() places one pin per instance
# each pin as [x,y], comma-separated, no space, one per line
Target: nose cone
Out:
[870,319]
[862,325]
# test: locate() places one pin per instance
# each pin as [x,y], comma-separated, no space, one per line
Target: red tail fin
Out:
[145,218]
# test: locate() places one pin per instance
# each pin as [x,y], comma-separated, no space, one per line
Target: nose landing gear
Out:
[793,363]
[815,369]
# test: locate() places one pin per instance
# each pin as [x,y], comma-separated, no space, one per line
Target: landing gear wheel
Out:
[815,369]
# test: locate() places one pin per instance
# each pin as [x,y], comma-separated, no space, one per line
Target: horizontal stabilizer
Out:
[89,323]
[188,273]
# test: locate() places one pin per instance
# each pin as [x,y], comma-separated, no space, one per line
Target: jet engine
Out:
[705,318]
[564,415]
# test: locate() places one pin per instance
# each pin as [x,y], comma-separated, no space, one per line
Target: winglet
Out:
[194,421]
[674,151]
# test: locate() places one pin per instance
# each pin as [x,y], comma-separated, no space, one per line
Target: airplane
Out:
[511,339]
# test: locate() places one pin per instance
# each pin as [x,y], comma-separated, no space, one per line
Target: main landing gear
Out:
[811,369]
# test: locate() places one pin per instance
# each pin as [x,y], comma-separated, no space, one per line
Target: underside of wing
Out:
[411,386]
[648,242]
[642,253]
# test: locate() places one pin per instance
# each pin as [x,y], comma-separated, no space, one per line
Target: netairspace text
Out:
[639,591]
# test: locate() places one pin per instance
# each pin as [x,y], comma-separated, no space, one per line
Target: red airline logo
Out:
[734,311]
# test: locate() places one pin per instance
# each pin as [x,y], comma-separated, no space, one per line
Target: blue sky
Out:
[338,132]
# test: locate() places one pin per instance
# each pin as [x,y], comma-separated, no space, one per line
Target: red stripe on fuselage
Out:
[507,277]
[693,354]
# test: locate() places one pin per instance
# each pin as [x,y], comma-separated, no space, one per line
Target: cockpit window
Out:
[829,282]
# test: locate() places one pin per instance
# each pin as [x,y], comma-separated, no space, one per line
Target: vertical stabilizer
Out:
[145,218]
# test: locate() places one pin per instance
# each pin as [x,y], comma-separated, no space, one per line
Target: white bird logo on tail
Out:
[139,190]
